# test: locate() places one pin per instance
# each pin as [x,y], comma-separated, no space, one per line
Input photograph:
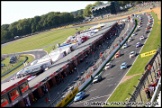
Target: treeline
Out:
[50,20]
[38,23]
[123,3]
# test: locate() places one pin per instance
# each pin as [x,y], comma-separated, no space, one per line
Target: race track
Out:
[99,92]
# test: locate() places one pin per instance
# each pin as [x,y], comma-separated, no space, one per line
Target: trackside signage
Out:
[148,53]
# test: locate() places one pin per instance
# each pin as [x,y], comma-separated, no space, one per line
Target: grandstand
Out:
[109,8]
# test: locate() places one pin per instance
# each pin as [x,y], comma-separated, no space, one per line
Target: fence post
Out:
[154,71]
[139,92]
[151,75]
[144,84]
[158,59]
[156,63]
[140,96]
[147,80]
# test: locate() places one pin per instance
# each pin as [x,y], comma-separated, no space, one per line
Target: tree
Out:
[5,26]
[80,12]
[122,3]
[97,3]
[5,35]
[87,11]
[38,23]
[13,30]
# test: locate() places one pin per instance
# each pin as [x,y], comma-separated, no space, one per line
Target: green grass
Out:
[149,45]
[30,59]
[9,66]
[121,93]
[130,8]
[45,40]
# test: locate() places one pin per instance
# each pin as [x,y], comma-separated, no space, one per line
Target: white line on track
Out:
[106,75]
[93,98]
[92,90]
[96,97]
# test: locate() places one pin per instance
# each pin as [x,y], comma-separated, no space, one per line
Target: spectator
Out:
[46,99]
[44,89]
[151,89]
[34,99]
[159,73]
[153,84]
[62,78]
[26,105]
[147,93]
[91,77]
[157,80]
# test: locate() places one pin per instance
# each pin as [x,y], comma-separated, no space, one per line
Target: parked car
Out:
[2,65]
[125,46]
[142,37]
[130,39]
[149,24]
[139,26]
[123,65]
[71,88]
[117,54]
[148,27]
[147,31]
[79,96]
[133,34]
[97,79]
[13,59]
[150,18]
[132,54]
[108,65]
[138,44]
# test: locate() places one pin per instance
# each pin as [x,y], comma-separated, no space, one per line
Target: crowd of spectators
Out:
[149,90]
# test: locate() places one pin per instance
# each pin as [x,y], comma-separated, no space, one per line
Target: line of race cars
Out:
[124,65]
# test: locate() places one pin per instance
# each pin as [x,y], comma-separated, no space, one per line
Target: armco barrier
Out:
[109,57]
[14,68]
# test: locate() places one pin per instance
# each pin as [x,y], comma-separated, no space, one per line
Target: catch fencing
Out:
[151,75]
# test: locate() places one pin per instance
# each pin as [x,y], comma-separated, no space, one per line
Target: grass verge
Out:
[9,66]
[30,58]
[45,40]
